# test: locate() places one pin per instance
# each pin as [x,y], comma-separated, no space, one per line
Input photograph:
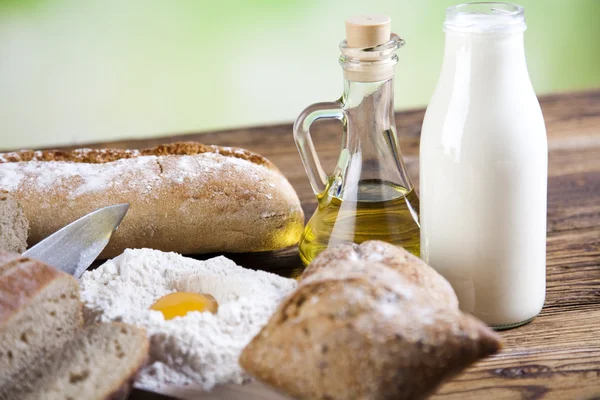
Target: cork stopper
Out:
[367,30]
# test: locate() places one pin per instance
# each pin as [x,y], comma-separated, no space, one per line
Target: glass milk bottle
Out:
[369,194]
[483,161]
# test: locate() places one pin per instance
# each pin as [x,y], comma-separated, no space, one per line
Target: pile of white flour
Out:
[200,348]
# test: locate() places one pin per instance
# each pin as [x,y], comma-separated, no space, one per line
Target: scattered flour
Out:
[198,348]
[141,173]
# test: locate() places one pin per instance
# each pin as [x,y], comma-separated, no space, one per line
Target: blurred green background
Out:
[80,71]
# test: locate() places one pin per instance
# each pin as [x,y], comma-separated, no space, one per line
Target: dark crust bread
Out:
[365,328]
[99,156]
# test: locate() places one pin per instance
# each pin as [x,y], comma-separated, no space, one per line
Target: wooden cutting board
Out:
[557,356]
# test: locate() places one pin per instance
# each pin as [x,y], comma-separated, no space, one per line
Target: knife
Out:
[74,248]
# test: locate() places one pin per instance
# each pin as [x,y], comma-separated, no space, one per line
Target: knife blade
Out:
[74,248]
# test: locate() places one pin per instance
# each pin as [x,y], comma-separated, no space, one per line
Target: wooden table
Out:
[557,356]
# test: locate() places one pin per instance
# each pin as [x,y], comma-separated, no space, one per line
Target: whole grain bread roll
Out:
[362,325]
[184,197]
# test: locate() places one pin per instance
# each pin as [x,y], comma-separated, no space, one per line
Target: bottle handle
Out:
[308,154]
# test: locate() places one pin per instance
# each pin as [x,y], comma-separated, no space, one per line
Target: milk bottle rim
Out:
[485,17]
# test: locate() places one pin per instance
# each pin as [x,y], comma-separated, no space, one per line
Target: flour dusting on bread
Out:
[80,178]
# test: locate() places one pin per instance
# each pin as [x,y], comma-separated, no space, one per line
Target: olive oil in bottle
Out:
[382,211]
[369,195]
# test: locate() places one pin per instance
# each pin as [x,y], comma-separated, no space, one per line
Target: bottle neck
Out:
[369,110]
[371,152]
[370,64]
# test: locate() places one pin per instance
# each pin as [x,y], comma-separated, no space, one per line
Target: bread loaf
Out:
[184,197]
[364,325]
[13,224]
[40,311]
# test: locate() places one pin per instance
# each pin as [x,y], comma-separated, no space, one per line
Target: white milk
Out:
[484,159]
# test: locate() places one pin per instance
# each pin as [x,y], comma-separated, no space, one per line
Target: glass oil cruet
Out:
[369,195]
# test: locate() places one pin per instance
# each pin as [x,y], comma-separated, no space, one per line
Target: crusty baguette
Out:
[366,328]
[101,362]
[184,197]
[13,224]
[40,310]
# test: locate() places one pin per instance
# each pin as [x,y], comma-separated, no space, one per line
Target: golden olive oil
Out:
[373,210]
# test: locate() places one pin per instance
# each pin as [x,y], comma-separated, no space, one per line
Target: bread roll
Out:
[40,311]
[367,327]
[184,197]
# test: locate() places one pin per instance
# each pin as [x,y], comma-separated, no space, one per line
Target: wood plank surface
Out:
[557,356]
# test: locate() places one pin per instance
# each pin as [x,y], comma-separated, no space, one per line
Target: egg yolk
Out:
[178,304]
